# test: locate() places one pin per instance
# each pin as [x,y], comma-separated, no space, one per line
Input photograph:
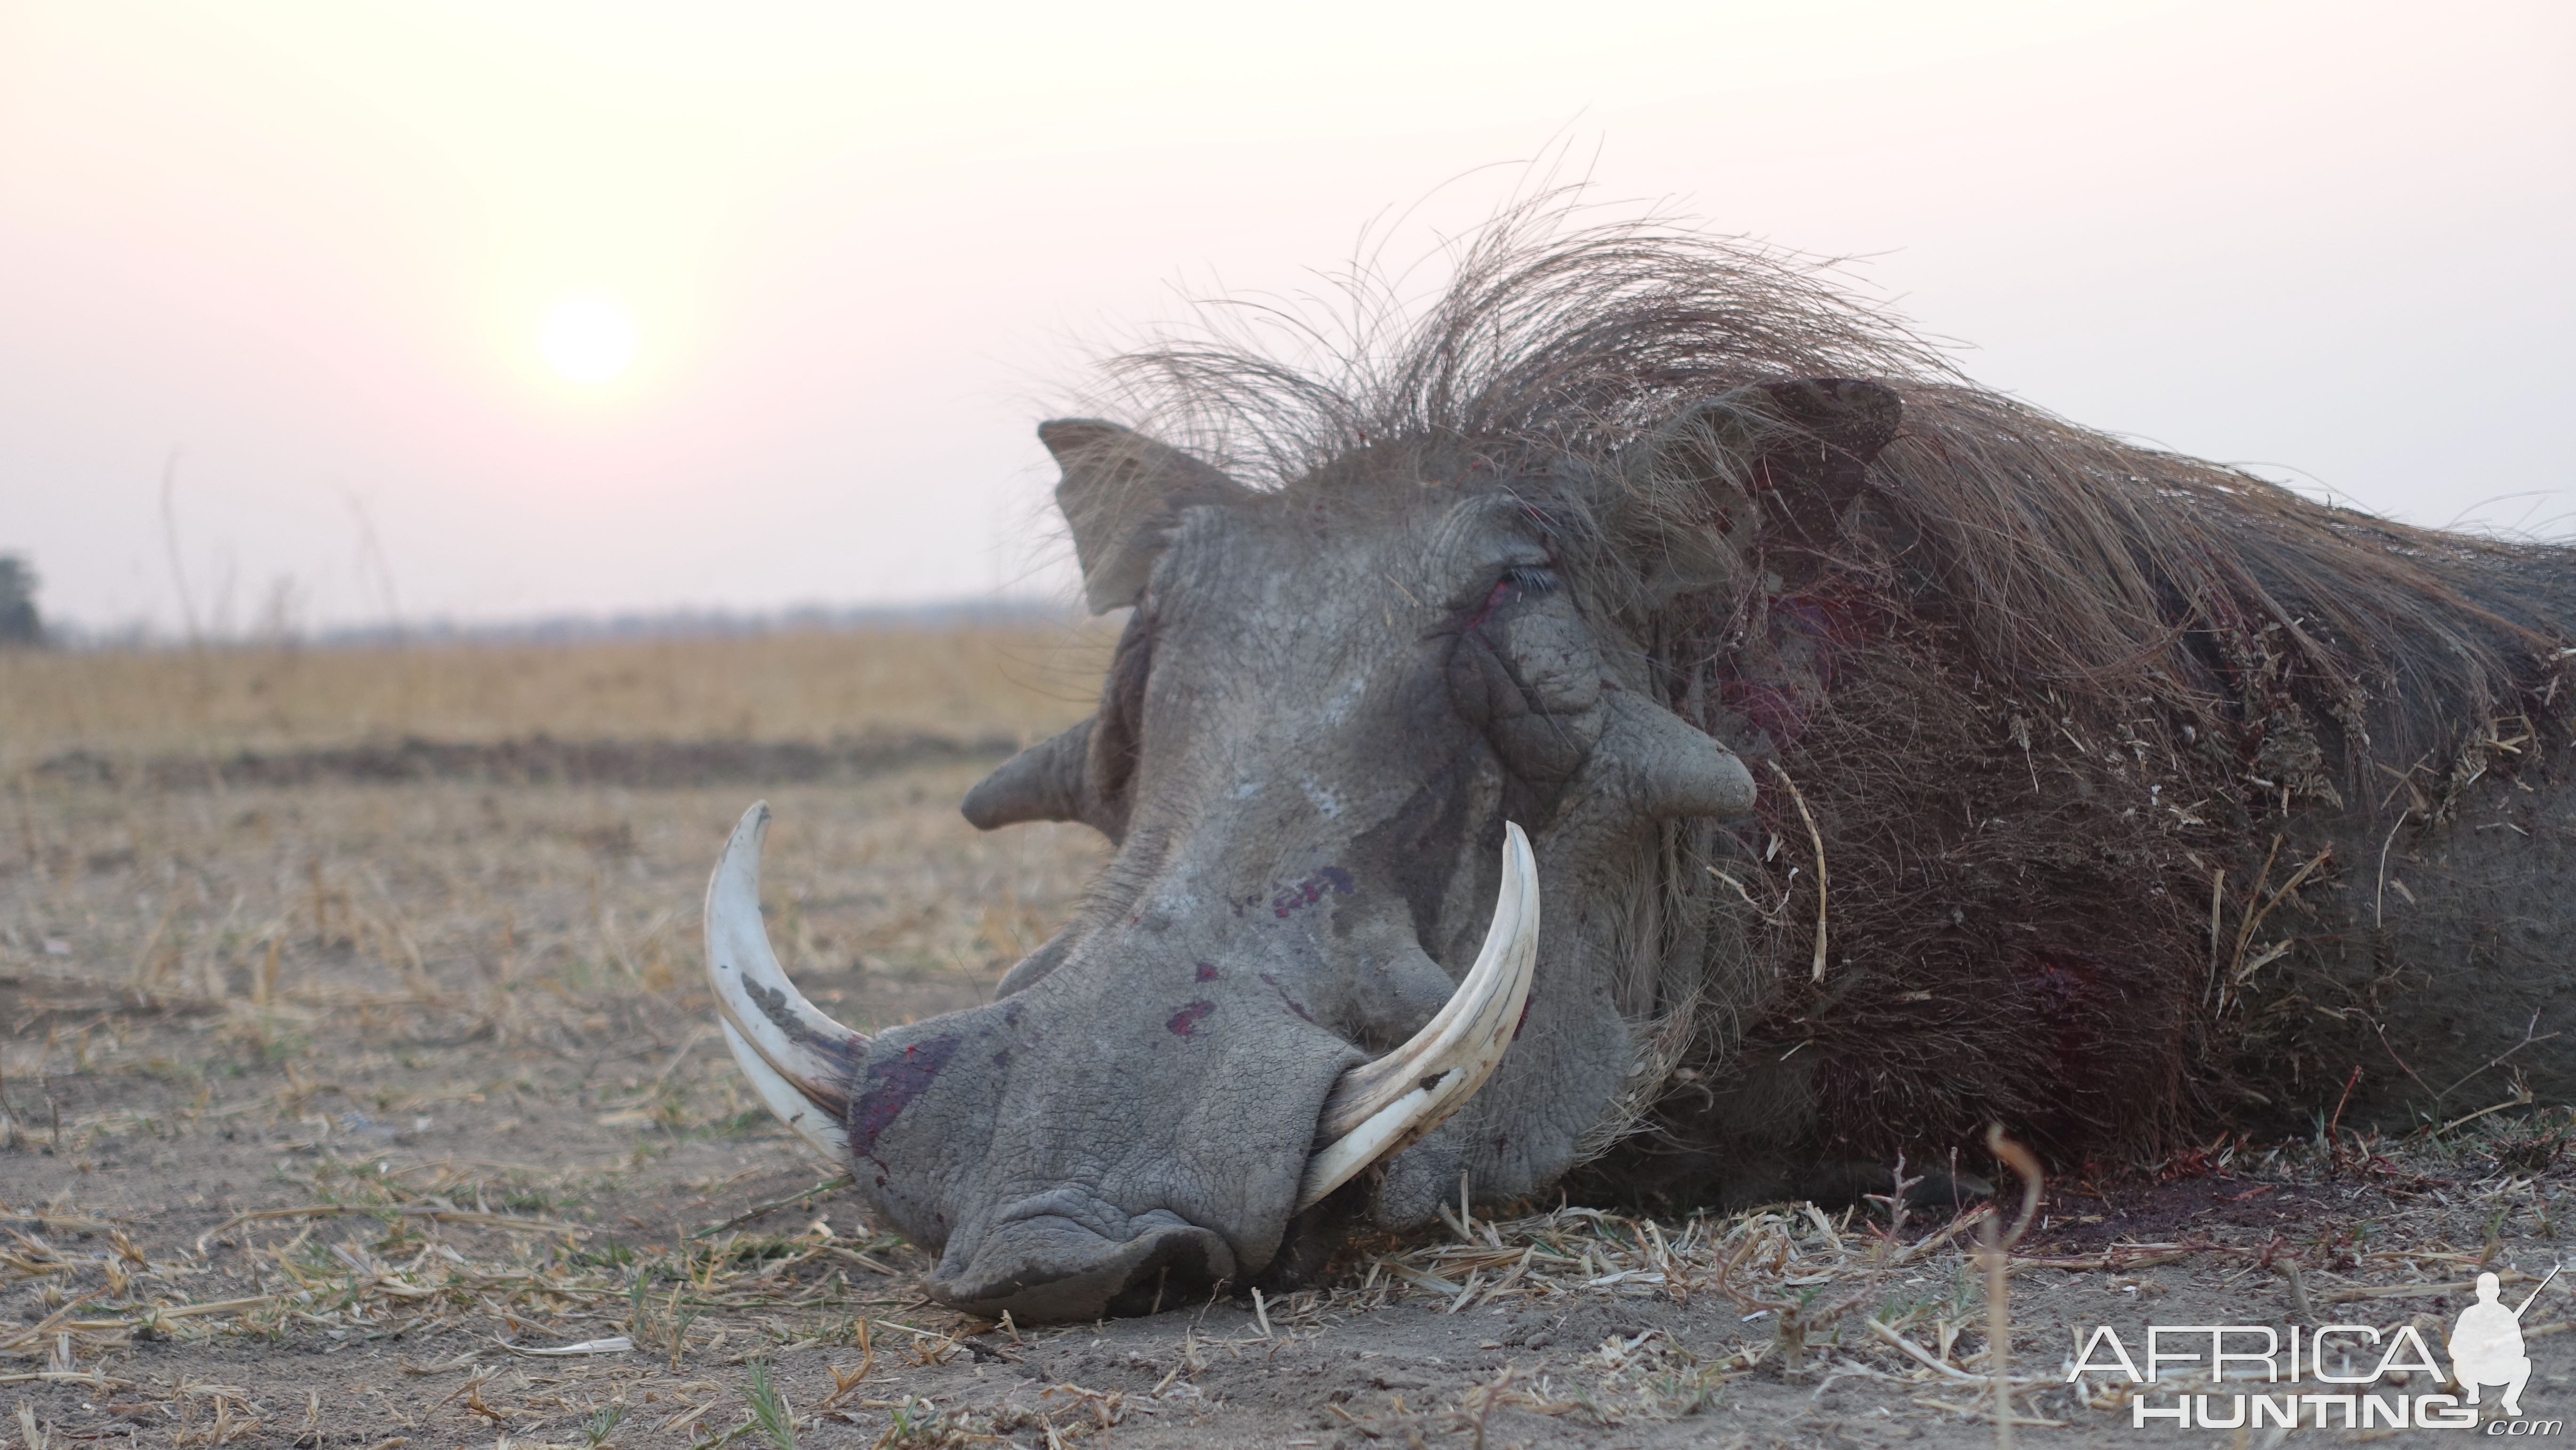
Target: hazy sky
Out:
[312,250]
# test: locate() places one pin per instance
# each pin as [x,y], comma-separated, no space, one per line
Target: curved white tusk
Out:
[800,1062]
[1381,1107]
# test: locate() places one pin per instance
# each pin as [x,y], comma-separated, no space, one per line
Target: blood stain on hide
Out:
[1293,1004]
[1311,890]
[1207,972]
[1779,682]
[1186,1021]
[1502,591]
[892,1086]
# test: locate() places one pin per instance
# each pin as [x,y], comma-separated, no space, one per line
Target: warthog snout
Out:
[1069,1155]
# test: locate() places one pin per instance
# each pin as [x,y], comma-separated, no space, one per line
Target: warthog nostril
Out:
[1179,1270]
[1051,1268]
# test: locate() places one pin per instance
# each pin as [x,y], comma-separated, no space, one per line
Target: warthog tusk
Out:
[799,1061]
[1382,1107]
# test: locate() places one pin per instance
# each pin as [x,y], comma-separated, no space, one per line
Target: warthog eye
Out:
[1518,581]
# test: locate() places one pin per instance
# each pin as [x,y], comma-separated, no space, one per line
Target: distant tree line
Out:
[19,622]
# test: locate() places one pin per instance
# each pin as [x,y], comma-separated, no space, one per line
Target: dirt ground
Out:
[363,1093]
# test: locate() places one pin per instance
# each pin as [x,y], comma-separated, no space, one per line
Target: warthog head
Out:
[1359,727]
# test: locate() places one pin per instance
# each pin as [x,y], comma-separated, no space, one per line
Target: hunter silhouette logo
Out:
[2486,1345]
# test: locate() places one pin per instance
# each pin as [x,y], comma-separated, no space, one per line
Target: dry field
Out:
[357,1089]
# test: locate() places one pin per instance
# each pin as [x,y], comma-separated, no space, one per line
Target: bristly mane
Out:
[2077,684]
[2073,559]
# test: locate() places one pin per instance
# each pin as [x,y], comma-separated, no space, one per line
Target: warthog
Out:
[1646,711]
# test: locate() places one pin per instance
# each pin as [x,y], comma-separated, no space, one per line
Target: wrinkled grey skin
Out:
[1326,705]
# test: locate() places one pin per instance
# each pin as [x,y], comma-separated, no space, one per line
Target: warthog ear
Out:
[1772,466]
[1121,492]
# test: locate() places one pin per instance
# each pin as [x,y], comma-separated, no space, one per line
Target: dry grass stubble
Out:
[786,685]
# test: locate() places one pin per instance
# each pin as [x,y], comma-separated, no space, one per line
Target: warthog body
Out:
[2101,792]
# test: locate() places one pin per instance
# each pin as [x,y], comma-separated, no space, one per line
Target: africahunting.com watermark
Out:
[2486,1351]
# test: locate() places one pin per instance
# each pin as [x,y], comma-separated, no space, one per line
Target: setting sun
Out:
[588,340]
